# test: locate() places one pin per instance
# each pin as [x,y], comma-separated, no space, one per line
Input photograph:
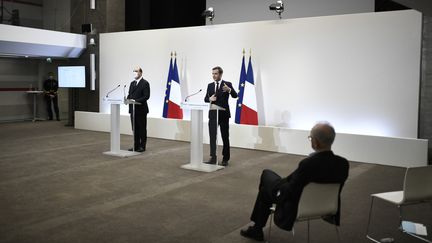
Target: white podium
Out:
[196,127]
[115,130]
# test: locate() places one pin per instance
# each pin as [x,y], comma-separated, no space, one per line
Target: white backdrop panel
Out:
[359,71]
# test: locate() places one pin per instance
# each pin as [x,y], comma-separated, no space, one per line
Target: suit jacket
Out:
[50,87]
[221,96]
[320,167]
[140,93]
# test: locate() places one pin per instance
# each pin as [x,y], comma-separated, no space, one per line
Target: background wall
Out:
[29,13]
[19,75]
[360,71]
[228,11]
[56,15]
[65,16]
[370,149]
[24,73]
[15,103]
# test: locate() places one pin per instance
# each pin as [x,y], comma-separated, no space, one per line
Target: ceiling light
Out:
[278,7]
[209,14]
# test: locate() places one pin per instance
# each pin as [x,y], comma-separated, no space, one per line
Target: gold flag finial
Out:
[244,52]
[171,54]
[250,52]
[175,54]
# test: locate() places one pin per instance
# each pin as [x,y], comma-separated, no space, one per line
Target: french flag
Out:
[246,110]
[173,93]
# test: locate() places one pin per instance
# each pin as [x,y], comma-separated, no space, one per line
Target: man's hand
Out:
[212,98]
[225,88]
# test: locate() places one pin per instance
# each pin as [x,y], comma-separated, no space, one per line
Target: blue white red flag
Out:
[246,110]
[173,93]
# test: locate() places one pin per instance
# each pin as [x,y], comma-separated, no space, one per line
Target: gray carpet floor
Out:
[57,186]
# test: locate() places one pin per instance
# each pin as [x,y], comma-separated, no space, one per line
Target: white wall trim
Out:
[403,152]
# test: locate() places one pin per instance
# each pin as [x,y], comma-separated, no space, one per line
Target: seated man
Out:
[322,166]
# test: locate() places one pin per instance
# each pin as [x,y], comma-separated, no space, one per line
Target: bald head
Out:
[324,134]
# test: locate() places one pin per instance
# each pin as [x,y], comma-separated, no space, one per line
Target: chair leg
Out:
[368,225]
[270,225]
[409,233]
[400,216]
[337,234]
[308,231]
[416,236]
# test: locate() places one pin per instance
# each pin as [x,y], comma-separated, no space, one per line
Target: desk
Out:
[35,93]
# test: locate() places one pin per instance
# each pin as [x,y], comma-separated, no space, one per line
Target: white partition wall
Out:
[360,71]
[405,152]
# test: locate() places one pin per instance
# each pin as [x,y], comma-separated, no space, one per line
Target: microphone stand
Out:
[187,97]
[106,96]
[217,126]
[124,93]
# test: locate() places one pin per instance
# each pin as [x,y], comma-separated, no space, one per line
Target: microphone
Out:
[124,92]
[106,96]
[187,97]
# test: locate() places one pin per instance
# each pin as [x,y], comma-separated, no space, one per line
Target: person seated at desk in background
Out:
[322,166]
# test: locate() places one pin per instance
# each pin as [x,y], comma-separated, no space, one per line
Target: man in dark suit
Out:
[139,90]
[218,93]
[50,90]
[322,166]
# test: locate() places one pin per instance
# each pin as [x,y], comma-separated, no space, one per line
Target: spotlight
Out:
[278,7]
[92,42]
[49,60]
[209,13]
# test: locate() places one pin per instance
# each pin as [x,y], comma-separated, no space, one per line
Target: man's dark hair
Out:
[220,70]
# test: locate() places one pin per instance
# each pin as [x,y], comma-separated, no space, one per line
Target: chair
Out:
[417,189]
[317,200]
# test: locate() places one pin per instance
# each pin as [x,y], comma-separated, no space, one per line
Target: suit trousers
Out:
[54,102]
[265,198]
[140,130]
[224,129]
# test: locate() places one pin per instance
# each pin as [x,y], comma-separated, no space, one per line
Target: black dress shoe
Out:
[212,161]
[253,233]
[224,163]
[131,149]
[140,150]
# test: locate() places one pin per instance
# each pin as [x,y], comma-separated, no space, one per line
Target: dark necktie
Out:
[217,87]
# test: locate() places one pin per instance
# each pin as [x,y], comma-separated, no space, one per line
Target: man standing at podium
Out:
[139,91]
[217,94]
